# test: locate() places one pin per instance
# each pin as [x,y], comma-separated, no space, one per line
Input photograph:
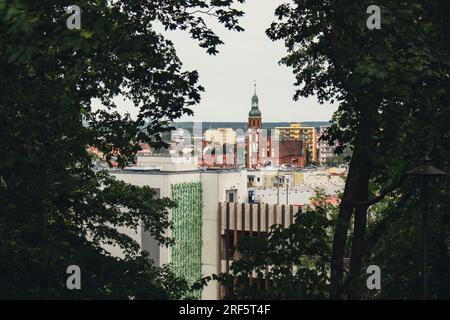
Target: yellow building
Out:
[296,132]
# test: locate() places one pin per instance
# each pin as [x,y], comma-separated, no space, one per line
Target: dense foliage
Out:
[391,85]
[55,210]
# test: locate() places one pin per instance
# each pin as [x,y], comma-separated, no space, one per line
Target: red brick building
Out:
[292,152]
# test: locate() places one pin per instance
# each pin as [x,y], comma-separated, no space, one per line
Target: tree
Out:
[392,89]
[398,251]
[55,211]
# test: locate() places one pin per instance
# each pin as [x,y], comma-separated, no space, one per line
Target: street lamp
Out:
[426,171]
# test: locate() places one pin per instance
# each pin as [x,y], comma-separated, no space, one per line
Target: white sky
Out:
[228,77]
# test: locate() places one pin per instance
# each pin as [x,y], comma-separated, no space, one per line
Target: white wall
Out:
[167,163]
[214,184]
[162,182]
[298,195]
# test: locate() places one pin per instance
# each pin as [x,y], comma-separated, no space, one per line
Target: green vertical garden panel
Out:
[187,231]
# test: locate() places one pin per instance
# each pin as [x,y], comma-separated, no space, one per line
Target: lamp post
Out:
[425,171]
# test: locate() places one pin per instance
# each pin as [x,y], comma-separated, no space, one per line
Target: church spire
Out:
[254,112]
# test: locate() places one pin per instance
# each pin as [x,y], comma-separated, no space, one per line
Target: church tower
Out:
[254,116]
[254,126]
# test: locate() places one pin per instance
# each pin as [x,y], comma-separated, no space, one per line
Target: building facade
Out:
[292,186]
[326,152]
[292,152]
[197,193]
[221,136]
[295,132]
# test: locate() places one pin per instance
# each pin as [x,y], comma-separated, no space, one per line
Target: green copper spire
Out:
[254,112]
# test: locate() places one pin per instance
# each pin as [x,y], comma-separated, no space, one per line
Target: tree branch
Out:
[394,277]
[379,197]
[378,231]
[381,226]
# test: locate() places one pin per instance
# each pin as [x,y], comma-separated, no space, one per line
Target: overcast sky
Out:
[246,56]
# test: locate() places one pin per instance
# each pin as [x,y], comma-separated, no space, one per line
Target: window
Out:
[231,196]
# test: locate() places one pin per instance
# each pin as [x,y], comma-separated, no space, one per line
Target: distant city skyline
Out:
[245,57]
[229,76]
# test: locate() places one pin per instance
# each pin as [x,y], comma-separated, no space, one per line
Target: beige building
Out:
[276,187]
[221,136]
[269,177]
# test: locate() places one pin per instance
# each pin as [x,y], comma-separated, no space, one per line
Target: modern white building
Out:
[197,193]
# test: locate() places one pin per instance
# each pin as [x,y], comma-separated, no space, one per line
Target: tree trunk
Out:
[356,189]
[358,244]
[340,237]
[357,182]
